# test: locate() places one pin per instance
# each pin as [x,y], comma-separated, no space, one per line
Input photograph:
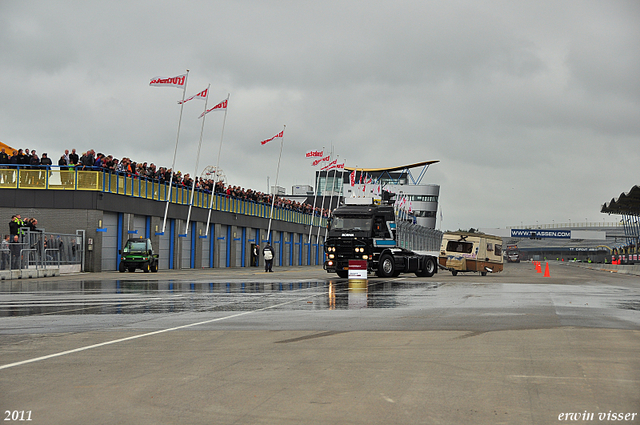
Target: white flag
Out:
[219,107]
[178,81]
[202,96]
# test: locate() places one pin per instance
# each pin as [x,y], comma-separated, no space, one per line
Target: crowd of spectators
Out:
[90,160]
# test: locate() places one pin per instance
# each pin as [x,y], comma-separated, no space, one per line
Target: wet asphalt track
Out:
[302,346]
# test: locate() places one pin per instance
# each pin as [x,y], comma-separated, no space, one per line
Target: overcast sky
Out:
[532,108]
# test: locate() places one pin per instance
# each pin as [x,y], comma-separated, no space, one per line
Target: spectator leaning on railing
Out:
[107,163]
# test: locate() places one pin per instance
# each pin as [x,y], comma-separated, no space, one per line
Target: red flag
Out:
[352,178]
[281,134]
[202,96]
[179,81]
[219,107]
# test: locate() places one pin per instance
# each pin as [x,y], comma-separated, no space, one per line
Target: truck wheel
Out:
[154,267]
[454,272]
[132,269]
[386,266]
[342,273]
[146,268]
[121,267]
[429,268]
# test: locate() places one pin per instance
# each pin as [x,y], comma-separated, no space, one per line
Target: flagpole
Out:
[195,172]
[323,196]
[175,152]
[333,183]
[313,211]
[215,183]
[273,198]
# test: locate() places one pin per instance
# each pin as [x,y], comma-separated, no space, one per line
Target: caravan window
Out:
[460,247]
[499,250]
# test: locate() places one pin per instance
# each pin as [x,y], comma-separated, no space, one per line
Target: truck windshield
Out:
[135,246]
[351,223]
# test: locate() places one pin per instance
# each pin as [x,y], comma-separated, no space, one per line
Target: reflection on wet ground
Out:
[145,297]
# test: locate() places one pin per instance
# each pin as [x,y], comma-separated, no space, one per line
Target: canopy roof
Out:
[399,168]
[627,203]
[8,149]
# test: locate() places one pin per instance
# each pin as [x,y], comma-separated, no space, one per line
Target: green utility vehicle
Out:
[138,254]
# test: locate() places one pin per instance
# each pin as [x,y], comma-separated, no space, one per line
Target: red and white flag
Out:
[179,81]
[281,134]
[314,154]
[219,107]
[331,165]
[202,96]
[352,178]
[321,160]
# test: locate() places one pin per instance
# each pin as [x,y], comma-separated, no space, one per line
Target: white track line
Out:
[115,341]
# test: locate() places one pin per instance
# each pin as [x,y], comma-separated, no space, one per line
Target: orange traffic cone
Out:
[538,267]
[546,270]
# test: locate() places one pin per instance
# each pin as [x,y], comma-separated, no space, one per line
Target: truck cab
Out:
[368,232]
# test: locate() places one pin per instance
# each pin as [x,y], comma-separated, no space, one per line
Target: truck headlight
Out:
[332,256]
[365,257]
[329,263]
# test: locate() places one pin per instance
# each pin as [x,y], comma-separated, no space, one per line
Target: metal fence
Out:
[40,249]
[417,238]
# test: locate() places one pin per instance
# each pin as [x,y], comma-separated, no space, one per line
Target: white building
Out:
[423,198]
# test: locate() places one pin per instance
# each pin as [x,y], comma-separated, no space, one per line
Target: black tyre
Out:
[154,267]
[386,266]
[132,269]
[454,272]
[146,268]
[429,268]
[342,274]
[121,267]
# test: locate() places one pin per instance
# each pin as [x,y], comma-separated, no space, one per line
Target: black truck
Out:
[363,230]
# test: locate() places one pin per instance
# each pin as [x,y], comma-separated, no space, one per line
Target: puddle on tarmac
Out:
[147,297]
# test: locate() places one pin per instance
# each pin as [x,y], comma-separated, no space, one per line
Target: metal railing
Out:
[39,249]
[63,178]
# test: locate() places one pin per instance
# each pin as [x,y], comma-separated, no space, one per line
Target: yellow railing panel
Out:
[33,179]
[62,180]
[89,180]
[8,178]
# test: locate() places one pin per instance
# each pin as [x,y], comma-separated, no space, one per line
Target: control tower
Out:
[404,180]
